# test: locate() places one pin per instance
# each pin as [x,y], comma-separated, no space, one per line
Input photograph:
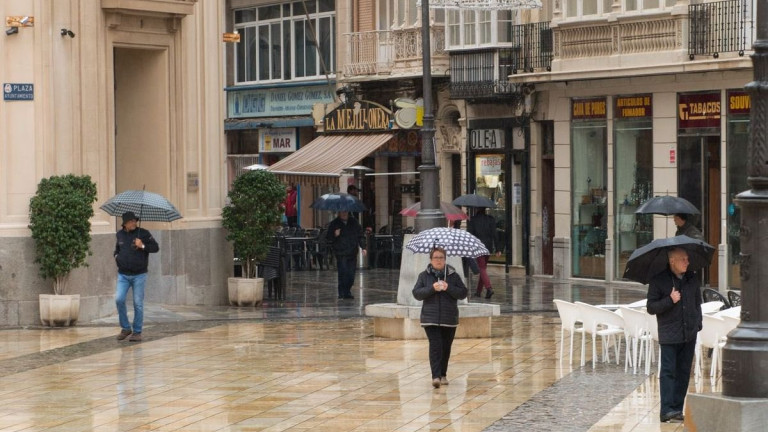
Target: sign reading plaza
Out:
[18,92]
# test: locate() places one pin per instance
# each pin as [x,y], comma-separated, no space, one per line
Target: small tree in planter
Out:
[59,216]
[251,217]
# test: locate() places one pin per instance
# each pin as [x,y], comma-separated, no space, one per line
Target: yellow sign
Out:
[231,37]
[588,108]
[358,117]
[633,106]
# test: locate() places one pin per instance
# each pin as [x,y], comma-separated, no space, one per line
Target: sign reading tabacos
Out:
[698,110]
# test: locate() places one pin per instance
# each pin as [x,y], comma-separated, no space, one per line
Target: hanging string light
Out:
[483,4]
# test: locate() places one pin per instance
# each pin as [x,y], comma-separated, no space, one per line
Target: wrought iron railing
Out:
[535,42]
[386,51]
[719,27]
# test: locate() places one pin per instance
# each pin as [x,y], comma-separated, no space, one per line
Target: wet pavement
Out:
[311,362]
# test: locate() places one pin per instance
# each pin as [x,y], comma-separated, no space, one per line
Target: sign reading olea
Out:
[486,139]
[358,116]
[279,140]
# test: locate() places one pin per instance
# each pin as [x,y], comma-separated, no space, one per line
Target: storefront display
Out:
[738,106]
[588,186]
[633,174]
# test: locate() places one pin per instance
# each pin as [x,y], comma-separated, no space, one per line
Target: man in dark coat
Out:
[674,296]
[345,237]
[483,226]
[439,287]
[684,227]
[132,251]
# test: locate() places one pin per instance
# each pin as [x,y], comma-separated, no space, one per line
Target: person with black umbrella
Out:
[685,227]
[131,254]
[345,236]
[674,296]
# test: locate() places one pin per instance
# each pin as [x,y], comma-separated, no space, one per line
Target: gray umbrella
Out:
[456,242]
[338,202]
[473,200]
[147,206]
[667,205]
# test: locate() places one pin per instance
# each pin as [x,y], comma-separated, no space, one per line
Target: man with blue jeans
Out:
[674,296]
[132,251]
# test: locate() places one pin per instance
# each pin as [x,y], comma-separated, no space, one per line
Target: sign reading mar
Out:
[358,116]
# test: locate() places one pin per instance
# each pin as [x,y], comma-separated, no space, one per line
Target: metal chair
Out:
[734,298]
[710,295]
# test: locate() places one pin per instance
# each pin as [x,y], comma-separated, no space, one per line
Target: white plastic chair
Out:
[638,304]
[734,312]
[653,328]
[713,335]
[637,332]
[603,323]
[569,318]
[711,307]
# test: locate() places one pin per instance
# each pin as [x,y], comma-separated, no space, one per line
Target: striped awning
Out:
[322,161]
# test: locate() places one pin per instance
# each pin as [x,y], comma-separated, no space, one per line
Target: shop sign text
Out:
[18,92]
[583,109]
[739,102]
[360,116]
[633,106]
[698,110]
[486,139]
[490,165]
[276,102]
[282,140]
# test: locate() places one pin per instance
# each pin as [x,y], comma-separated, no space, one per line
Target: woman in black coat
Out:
[440,288]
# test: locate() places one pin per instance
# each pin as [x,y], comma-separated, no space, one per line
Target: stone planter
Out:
[245,292]
[59,310]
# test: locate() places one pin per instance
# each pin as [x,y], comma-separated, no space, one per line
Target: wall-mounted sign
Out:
[276,102]
[490,165]
[282,140]
[638,106]
[193,181]
[409,188]
[698,110]
[231,37]
[358,116]
[739,102]
[486,139]
[588,109]
[18,92]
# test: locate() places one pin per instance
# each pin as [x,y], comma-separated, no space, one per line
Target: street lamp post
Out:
[745,355]
[430,215]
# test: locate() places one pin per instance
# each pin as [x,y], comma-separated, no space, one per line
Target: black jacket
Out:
[690,230]
[678,322]
[483,226]
[439,308]
[132,261]
[351,237]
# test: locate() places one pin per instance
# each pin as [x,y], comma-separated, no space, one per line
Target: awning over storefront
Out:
[323,160]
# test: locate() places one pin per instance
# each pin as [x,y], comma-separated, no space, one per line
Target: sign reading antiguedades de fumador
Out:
[358,116]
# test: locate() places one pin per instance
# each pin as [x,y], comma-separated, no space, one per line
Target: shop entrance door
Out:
[698,180]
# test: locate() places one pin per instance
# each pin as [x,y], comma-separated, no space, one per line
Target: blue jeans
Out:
[345,267]
[136,282]
[676,362]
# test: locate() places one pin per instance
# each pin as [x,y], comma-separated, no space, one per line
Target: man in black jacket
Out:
[483,226]
[674,296]
[345,236]
[132,257]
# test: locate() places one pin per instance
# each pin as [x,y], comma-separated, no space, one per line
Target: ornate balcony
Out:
[393,53]
[720,27]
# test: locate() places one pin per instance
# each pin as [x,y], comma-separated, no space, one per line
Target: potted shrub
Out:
[250,218]
[59,218]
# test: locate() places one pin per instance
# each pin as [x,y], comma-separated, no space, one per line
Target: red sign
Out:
[672,156]
[588,109]
[638,106]
[698,110]
[739,102]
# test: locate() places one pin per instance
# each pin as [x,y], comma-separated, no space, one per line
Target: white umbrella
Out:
[456,242]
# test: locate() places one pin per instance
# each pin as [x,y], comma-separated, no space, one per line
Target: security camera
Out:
[12,31]
[24,20]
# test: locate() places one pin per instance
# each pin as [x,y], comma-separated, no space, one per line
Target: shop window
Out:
[589,197]
[736,148]
[633,174]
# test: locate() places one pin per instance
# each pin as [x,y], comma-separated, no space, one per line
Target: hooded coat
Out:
[678,322]
[439,308]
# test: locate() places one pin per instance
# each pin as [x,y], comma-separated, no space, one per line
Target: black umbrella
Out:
[651,259]
[667,205]
[338,202]
[473,200]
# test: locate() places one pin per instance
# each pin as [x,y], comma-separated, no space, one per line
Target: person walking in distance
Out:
[439,288]
[290,207]
[132,251]
[674,296]
[483,226]
[345,236]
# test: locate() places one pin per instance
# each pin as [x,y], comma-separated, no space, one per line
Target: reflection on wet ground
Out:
[311,362]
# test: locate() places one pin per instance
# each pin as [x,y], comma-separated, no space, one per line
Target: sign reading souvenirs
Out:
[358,116]
[738,102]
[282,140]
[486,139]
[18,92]
[698,110]
[588,109]
[638,106]
[275,102]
